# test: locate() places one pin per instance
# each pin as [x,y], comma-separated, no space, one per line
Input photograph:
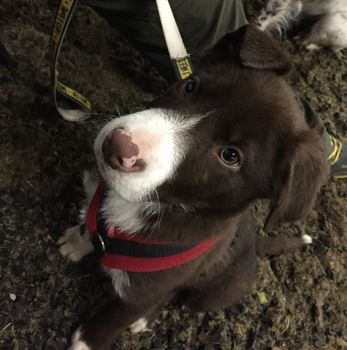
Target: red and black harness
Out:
[122,251]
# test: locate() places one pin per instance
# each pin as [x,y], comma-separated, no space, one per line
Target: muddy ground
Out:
[42,297]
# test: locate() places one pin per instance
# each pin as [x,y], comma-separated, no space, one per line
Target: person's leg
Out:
[202,24]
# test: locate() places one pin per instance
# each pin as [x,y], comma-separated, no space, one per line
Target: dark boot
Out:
[338,158]
[336,150]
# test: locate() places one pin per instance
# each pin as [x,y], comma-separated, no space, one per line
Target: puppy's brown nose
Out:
[120,152]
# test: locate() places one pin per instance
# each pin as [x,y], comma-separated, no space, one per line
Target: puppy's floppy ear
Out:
[252,48]
[298,179]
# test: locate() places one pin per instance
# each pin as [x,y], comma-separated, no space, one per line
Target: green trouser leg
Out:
[202,23]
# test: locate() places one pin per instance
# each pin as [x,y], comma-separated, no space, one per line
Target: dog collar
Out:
[123,251]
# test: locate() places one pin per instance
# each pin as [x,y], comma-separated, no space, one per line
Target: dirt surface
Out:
[42,297]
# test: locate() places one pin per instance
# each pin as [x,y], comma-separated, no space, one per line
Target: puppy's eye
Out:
[230,156]
[190,86]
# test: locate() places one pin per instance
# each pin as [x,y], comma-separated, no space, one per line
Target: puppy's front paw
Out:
[77,343]
[74,245]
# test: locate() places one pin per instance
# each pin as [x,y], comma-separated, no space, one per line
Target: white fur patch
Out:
[139,326]
[77,343]
[329,31]
[73,245]
[165,149]
[319,7]
[127,216]
[120,281]
[277,14]
[121,213]
[306,239]
[310,47]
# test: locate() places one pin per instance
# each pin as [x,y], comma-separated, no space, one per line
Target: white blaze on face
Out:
[162,139]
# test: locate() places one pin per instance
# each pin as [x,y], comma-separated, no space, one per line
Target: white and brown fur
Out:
[329,30]
[186,191]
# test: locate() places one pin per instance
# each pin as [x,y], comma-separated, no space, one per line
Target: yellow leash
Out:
[177,51]
[178,54]
[61,23]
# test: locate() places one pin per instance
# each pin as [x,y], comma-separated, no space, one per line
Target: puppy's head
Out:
[217,141]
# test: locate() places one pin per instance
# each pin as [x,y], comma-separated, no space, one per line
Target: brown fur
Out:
[248,105]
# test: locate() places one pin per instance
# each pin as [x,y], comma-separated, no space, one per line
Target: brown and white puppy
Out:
[195,161]
[330,30]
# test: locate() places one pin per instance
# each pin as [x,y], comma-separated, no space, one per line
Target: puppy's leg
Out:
[278,246]
[75,244]
[277,14]
[228,289]
[116,316]
[143,323]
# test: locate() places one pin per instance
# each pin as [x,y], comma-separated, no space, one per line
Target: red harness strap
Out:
[134,252]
